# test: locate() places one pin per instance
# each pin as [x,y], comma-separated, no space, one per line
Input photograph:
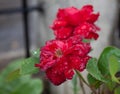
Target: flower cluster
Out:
[67,52]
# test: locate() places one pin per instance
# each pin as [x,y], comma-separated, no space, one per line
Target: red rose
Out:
[70,14]
[86,14]
[72,18]
[63,33]
[59,24]
[87,31]
[56,59]
[67,52]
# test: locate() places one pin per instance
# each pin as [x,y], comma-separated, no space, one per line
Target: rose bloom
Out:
[71,20]
[87,31]
[59,58]
[67,52]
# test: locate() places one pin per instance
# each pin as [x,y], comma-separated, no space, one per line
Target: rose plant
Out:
[68,53]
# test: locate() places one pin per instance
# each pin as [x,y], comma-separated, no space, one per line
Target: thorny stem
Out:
[81,84]
[81,78]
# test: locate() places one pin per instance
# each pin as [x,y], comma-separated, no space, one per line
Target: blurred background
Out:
[24,26]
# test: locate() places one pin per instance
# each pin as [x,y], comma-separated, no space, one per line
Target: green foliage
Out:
[13,75]
[94,71]
[106,70]
[114,67]
[117,90]
[93,82]
[31,87]
[10,72]
[28,66]
[109,64]
[104,62]
[87,40]
[16,78]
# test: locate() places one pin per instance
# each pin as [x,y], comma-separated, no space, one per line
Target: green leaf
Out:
[92,69]
[114,67]
[11,71]
[111,85]
[117,90]
[86,40]
[11,66]
[93,82]
[28,66]
[105,65]
[103,62]
[20,85]
[34,86]
[13,75]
